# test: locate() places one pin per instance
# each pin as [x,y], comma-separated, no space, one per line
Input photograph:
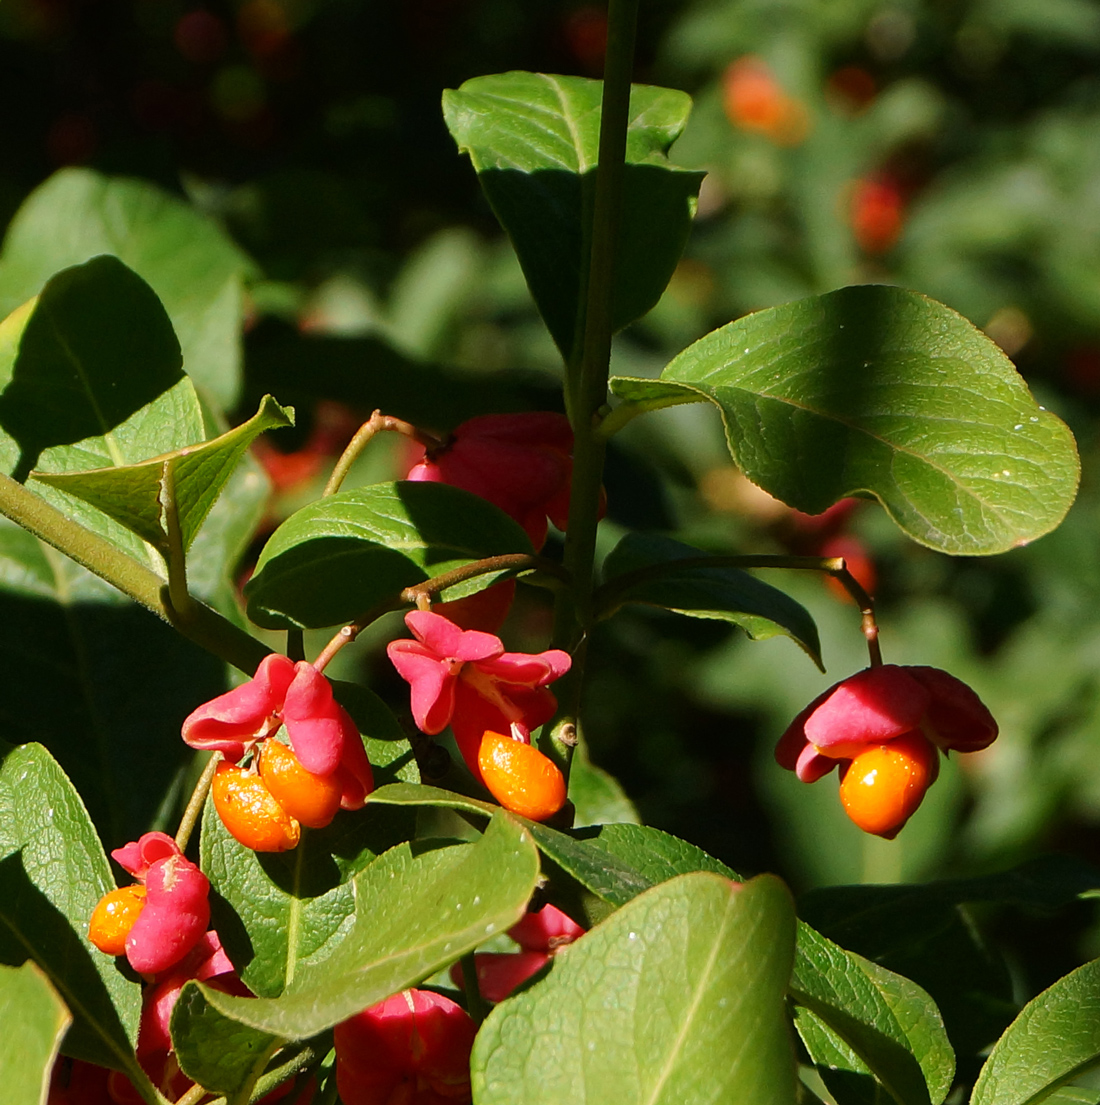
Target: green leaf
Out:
[726,594]
[1055,1038]
[227,533]
[402,794]
[416,911]
[615,862]
[388,749]
[218,1053]
[922,933]
[657,856]
[343,555]
[195,269]
[678,998]
[97,348]
[598,798]
[597,869]
[34,1020]
[52,873]
[879,391]
[534,141]
[867,1013]
[278,912]
[133,494]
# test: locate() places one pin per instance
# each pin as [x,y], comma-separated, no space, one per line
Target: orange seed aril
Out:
[520,777]
[114,916]
[883,786]
[250,812]
[311,799]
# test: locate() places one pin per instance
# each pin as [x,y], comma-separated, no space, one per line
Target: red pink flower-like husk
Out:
[320,731]
[176,914]
[878,705]
[412,1048]
[521,463]
[234,721]
[465,679]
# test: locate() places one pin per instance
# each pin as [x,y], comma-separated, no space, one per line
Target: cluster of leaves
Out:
[869,389]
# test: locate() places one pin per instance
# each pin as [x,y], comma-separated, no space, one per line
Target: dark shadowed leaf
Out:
[194,268]
[96,349]
[102,683]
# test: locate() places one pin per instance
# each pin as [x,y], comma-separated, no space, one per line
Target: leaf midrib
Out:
[697,997]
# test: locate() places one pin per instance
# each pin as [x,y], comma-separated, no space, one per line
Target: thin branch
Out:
[196,801]
[377,423]
[475,1003]
[507,562]
[420,594]
[611,595]
[203,626]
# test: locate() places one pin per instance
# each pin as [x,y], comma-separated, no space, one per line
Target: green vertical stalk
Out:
[586,384]
[199,623]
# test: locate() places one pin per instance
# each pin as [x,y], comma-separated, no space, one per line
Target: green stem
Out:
[195,804]
[176,555]
[199,623]
[586,387]
[475,1003]
[193,1096]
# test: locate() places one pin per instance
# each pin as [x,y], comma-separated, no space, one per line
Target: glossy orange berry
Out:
[883,786]
[114,916]
[520,777]
[250,813]
[311,799]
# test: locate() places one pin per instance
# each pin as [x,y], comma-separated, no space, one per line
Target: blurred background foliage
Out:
[951,148]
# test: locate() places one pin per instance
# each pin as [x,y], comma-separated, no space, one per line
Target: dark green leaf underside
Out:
[726,594]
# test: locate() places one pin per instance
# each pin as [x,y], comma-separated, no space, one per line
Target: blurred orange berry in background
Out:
[754,100]
[876,213]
